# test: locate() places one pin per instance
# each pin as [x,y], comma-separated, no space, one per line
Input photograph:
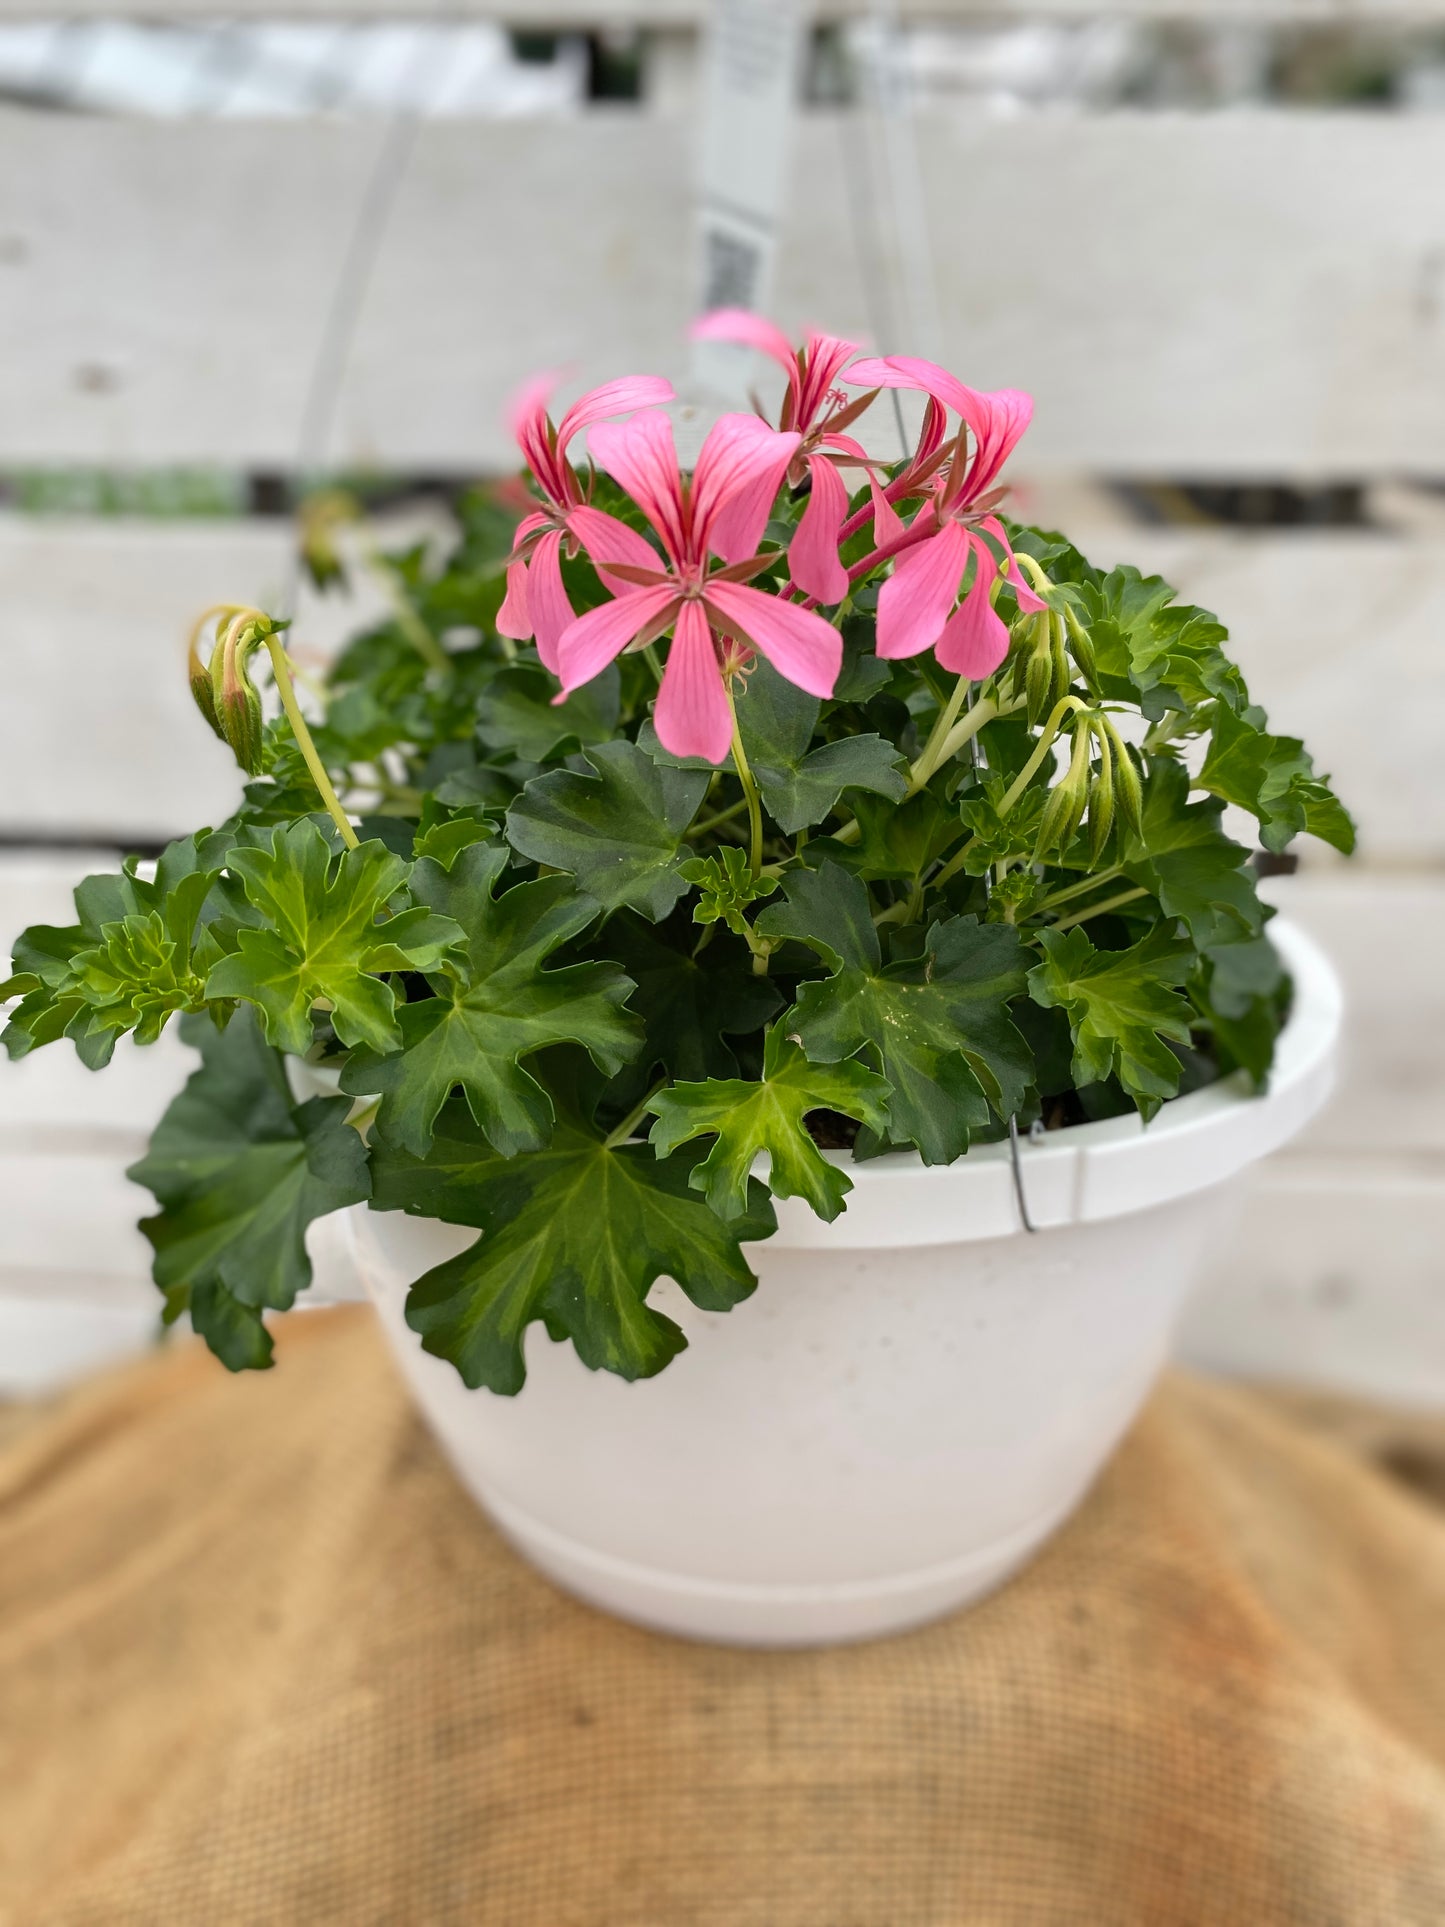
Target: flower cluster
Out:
[951,553]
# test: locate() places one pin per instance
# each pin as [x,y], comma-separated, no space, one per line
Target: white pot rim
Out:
[1088,1172]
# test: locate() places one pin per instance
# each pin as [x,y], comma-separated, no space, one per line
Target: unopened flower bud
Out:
[1059,657]
[1067,801]
[1128,790]
[1080,644]
[1101,815]
[1039,671]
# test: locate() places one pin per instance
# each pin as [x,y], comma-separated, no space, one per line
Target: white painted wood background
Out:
[1252,294]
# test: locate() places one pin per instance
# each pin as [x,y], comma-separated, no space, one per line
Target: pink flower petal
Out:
[641,456]
[548,605]
[998,423]
[608,540]
[613,398]
[692,717]
[513,618]
[798,643]
[593,640]
[813,553]
[749,331]
[915,601]
[739,471]
[824,358]
[1030,602]
[975,639]
[907,371]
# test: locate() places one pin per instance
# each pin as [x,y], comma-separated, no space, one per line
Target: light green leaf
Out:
[239,1172]
[1121,1008]
[327,939]
[750,1119]
[619,832]
[575,1236]
[726,887]
[494,1004]
[1272,777]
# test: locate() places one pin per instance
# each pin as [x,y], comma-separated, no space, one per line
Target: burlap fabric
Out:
[261,1662]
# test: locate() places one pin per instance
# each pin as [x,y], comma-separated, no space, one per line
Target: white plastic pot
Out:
[914,1399]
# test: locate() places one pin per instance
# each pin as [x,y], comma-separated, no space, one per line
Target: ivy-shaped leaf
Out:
[239,1171]
[691,1004]
[619,831]
[1184,859]
[896,842]
[494,1004]
[516,713]
[1122,1006]
[769,1116]
[936,1025]
[1274,779]
[131,962]
[801,786]
[575,1236]
[327,938]
[1151,649]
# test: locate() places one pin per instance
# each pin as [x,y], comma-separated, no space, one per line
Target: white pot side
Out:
[913,1400]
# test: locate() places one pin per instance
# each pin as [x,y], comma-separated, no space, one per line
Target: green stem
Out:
[750,793]
[633,1118]
[983,711]
[1065,706]
[654,661]
[1098,909]
[954,864]
[1077,889]
[299,729]
[722,816]
[947,716]
[407,618]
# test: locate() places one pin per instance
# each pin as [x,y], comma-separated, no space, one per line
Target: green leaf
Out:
[1121,1008]
[516,713]
[574,1235]
[1272,777]
[1150,649]
[829,910]
[494,1005]
[619,832]
[239,1171]
[801,786]
[936,1025]
[1184,859]
[692,1004]
[750,1119]
[327,939]
[897,842]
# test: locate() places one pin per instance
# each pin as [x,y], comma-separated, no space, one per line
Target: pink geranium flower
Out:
[536,602]
[918,605]
[818,411]
[716,619]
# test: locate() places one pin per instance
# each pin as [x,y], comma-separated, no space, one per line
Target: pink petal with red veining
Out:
[1024,595]
[915,601]
[607,540]
[749,331]
[692,717]
[739,471]
[513,618]
[824,360]
[613,398]
[908,371]
[799,644]
[641,456]
[813,553]
[975,639]
[593,640]
[998,423]
[548,605]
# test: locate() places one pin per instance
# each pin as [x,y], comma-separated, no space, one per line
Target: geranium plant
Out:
[682,839]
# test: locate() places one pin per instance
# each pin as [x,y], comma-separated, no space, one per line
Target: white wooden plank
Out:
[1334,1278]
[1262,293]
[101,735]
[561,15]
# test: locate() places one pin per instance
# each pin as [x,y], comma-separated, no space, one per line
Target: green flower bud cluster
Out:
[222,687]
[1098,792]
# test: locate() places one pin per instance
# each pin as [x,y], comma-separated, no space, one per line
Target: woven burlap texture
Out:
[262,1662]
